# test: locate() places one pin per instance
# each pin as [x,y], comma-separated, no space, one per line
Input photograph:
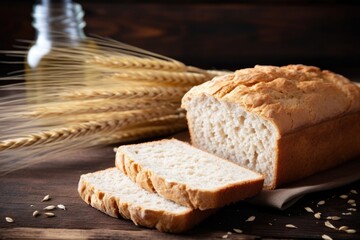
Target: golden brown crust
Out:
[181,193]
[161,220]
[317,148]
[292,96]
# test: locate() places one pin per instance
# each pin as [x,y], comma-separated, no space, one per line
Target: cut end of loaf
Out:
[229,131]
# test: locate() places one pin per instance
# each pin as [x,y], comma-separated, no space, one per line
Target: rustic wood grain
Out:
[59,178]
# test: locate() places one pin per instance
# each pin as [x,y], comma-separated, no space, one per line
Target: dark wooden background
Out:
[223,35]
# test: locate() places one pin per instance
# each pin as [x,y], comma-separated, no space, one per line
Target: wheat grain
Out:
[329,225]
[326,237]
[250,219]
[36,213]
[61,206]
[237,230]
[9,219]
[308,209]
[290,226]
[46,198]
[50,207]
[343,228]
[49,214]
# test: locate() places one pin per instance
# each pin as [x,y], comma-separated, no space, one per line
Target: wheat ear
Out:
[126,61]
[130,93]
[79,130]
[174,78]
[96,106]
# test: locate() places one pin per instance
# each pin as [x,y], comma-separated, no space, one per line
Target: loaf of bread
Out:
[187,175]
[283,122]
[111,192]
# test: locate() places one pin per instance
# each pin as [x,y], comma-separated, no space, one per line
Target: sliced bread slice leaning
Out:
[187,175]
[111,192]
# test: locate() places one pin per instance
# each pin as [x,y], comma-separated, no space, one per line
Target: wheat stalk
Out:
[92,94]
[164,77]
[96,106]
[135,62]
[79,130]
[129,93]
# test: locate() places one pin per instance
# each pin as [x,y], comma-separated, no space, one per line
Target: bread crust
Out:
[181,193]
[317,148]
[316,114]
[291,97]
[162,220]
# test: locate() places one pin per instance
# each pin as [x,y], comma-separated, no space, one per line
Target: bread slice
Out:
[111,192]
[283,122]
[187,175]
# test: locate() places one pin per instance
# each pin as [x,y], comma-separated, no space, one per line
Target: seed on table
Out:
[353,204]
[317,215]
[9,219]
[51,207]
[270,224]
[50,214]
[250,219]
[335,218]
[229,233]
[350,231]
[326,237]
[346,213]
[36,213]
[353,191]
[237,230]
[329,225]
[322,202]
[351,201]
[352,209]
[290,226]
[46,198]
[343,196]
[343,228]
[224,236]
[308,209]
[61,206]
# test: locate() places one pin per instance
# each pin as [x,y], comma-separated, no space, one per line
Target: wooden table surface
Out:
[21,193]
